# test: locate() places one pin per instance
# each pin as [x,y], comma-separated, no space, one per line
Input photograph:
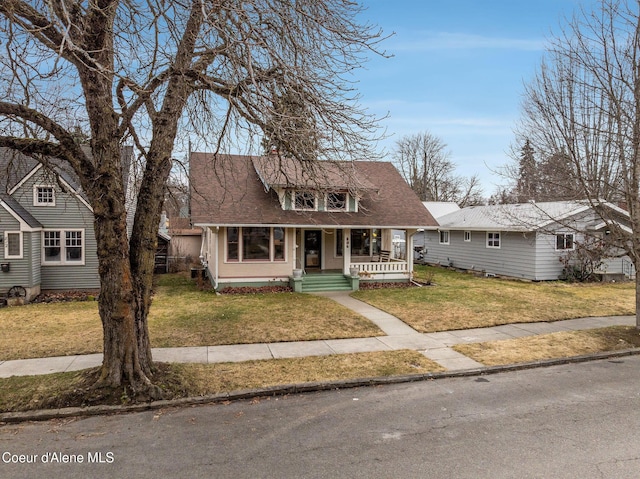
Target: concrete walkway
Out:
[398,335]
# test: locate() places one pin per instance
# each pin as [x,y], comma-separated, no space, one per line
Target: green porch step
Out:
[325,282]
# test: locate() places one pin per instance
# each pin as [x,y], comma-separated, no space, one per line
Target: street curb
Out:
[283,390]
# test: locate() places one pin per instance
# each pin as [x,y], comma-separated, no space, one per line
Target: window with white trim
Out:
[336,201]
[564,241]
[365,242]
[305,201]
[63,247]
[13,245]
[467,236]
[255,244]
[444,237]
[44,195]
[493,239]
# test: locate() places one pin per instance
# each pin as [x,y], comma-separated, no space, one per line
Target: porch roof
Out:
[226,190]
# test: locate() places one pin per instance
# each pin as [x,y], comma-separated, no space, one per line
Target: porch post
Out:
[216,240]
[346,250]
[387,240]
[409,234]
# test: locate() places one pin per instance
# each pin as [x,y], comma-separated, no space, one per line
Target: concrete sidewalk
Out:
[398,335]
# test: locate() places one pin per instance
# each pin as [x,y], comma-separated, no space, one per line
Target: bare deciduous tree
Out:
[144,73]
[426,166]
[582,109]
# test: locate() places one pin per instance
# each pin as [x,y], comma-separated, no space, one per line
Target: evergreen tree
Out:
[527,186]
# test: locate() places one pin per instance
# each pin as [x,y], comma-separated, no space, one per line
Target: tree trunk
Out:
[637,270]
[124,363]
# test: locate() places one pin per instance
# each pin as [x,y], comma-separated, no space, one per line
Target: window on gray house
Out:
[564,241]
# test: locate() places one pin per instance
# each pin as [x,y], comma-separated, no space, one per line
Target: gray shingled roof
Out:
[18,209]
[227,190]
[513,217]
[14,166]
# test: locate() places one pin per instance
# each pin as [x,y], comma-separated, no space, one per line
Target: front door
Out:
[312,249]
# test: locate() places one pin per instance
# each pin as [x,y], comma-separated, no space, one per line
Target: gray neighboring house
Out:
[520,240]
[437,209]
[46,228]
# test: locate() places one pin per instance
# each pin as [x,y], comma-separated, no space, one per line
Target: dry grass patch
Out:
[44,330]
[190,380]
[462,301]
[214,378]
[181,315]
[551,346]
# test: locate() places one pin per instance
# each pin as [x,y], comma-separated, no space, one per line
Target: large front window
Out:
[365,242]
[255,244]
[63,247]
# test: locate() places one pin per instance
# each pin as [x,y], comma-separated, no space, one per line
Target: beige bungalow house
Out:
[268,220]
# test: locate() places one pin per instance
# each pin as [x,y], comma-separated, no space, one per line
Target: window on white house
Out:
[365,242]
[12,245]
[444,237]
[467,236]
[338,243]
[493,239]
[44,196]
[304,200]
[63,247]
[278,244]
[233,250]
[564,241]
[257,244]
[336,201]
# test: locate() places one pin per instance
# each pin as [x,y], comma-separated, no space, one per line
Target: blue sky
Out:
[458,71]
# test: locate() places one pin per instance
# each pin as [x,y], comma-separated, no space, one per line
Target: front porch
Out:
[335,280]
[371,254]
[306,258]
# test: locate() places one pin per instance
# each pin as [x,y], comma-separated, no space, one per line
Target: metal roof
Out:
[512,217]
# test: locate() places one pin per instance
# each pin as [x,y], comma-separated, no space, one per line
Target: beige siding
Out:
[255,269]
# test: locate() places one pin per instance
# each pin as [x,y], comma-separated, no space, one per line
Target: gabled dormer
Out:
[335,201]
[312,186]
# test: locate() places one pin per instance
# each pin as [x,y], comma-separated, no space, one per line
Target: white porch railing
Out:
[384,267]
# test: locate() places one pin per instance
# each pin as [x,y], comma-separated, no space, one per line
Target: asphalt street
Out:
[569,421]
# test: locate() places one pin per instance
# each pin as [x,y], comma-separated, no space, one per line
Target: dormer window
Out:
[44,196]
[336,201]
[305,201]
